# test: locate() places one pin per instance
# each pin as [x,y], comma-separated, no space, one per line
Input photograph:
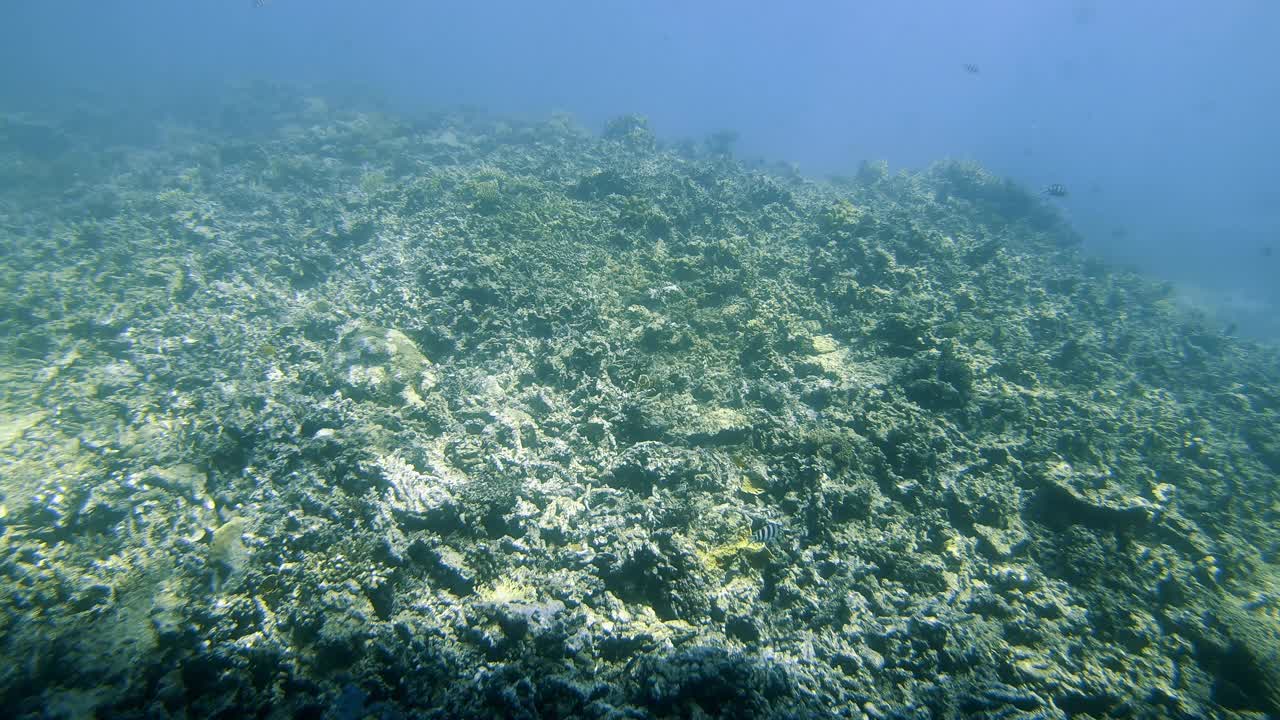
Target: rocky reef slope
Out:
[319,413]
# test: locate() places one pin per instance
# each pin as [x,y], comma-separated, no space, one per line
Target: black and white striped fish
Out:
[767,532]
[1055,190]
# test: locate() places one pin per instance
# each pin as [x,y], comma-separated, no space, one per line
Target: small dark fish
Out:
[767,532]
[1055,190]
[259,3]
[971,68]
[1268,251]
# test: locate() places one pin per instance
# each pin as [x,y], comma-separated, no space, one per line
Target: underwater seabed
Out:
[312,412]
[1241,311]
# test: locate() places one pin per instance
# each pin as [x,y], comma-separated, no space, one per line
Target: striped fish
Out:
[768,531]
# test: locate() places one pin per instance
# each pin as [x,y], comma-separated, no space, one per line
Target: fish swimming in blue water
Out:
[971,68]
[1055,190]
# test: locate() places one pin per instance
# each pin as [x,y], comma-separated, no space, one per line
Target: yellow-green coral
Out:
[484,193]
[842,216]
[716,555]
[505,591]
[823,344]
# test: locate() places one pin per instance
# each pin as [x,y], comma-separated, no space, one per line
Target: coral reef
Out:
[325,413]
